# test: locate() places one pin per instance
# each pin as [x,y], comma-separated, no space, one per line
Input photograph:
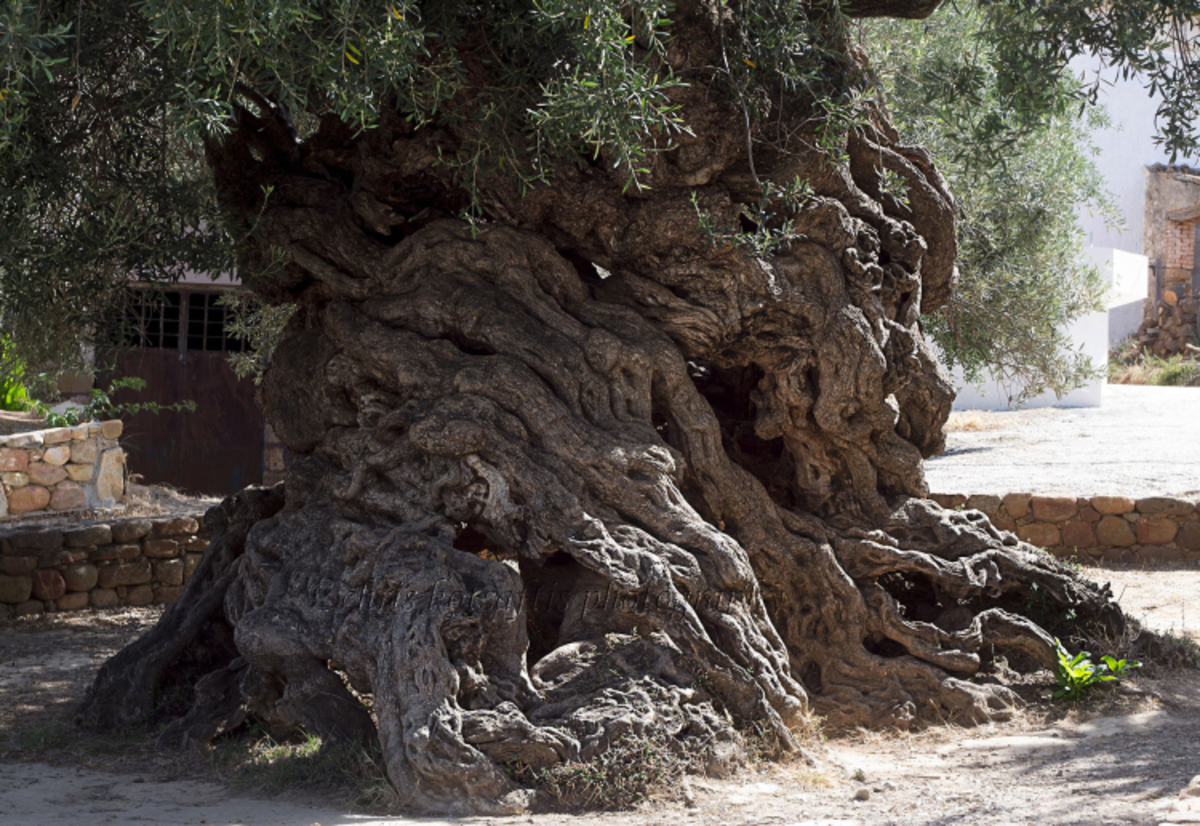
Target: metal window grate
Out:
[152,320]
[155,320]
[206,325]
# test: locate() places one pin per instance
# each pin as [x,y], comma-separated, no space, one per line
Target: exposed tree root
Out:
[621,574]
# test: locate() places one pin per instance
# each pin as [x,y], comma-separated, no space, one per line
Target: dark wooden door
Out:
[215,449]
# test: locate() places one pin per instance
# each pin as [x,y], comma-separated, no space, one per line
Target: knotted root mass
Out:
[529,530]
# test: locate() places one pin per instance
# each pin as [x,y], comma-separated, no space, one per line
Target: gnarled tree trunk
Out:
[579,473]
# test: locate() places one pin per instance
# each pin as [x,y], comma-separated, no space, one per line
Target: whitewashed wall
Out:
[1125,149]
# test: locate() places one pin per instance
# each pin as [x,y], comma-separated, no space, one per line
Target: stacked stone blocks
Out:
[1097,528]
[99,565]
[45,472]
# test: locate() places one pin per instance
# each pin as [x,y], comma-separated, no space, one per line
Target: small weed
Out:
[763,744]
[1178,372]
[1167,649]
[1076,673]
[764,229]
[51,737]
[46,736]
[619,778]
[1041,607]
[1186,649]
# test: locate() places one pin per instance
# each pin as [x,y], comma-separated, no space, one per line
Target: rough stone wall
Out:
[1097,528]
[135,561]
[1170,327]
[1172,212]
[61,469]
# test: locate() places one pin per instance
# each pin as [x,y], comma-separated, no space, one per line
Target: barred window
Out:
[174,320]
[206,325]
[151,321]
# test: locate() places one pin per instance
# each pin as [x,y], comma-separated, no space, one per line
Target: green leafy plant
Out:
[13,395]
[101,405]
[259,325]
[14,392]
[1076,673]
[1119,667]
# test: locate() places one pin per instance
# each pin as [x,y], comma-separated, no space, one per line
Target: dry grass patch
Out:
[1128,365]
[977,421]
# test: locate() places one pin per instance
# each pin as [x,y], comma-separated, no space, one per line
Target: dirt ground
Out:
[1135,444]
[1116,759]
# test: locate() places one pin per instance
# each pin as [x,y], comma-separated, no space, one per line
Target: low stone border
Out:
[1104,528]
[61,469]
[135,561]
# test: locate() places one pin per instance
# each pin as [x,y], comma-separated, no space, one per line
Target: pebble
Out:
[862,794]
[689,796]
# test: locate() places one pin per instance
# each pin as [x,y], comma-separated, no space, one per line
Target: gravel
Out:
[1142,441]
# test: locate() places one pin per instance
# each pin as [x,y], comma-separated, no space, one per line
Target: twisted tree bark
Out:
[578,473]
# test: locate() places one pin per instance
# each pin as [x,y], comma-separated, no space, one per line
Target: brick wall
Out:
[1179,247]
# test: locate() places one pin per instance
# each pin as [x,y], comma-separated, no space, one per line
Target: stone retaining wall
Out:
[61,469]
[1097,528]
[98,565]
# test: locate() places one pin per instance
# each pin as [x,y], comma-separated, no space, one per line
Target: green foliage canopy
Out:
[105,108]
[1018,182]
[94,190]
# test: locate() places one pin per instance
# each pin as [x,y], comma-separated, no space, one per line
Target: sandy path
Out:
[1166,600]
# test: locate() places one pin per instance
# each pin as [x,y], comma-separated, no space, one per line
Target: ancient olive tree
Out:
[607,382]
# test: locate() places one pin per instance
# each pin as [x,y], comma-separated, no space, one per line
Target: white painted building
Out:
[1125,149]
